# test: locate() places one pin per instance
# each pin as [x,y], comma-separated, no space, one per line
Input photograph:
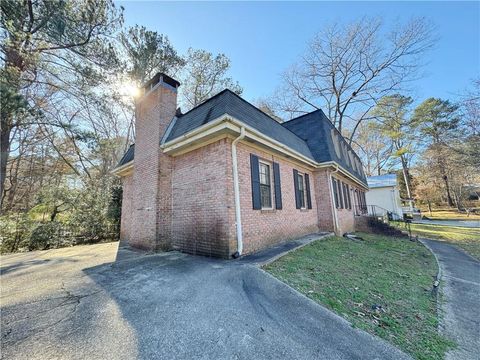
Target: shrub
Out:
[15,230]
[46,236]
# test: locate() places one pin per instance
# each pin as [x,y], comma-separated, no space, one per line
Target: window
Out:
[301,191]
[335,193]
[303,197]
[265,186]
[346,196]
[340,194]
[265,178]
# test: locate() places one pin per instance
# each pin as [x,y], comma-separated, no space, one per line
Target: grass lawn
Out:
[449,214]
[382,285]
[466,238]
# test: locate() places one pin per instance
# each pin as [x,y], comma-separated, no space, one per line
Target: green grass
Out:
[351,278]
[466,238]
[448,214]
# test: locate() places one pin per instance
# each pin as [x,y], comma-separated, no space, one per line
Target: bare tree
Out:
[347,68]
[205,75]
[373,148]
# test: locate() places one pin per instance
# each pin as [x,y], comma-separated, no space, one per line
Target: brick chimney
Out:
[151,223]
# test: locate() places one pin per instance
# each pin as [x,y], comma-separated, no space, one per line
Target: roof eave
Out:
[344,172]
[124,169]
[234,125]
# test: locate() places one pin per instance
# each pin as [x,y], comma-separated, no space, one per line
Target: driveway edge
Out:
[385,343]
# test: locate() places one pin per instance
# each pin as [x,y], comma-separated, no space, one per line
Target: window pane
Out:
[266,196]
[301,191]
[264,174]
[335,194]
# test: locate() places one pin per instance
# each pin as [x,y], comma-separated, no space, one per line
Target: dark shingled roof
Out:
[128,156]
[230,103]
[325,142]
[312,135]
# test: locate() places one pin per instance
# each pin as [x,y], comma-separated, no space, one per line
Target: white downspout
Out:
[236,190]
[334,208]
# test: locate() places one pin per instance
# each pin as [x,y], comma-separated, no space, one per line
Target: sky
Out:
[263,38]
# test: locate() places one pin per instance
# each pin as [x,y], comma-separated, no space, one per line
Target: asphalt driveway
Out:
[456,223]
[79,303]
[460,275]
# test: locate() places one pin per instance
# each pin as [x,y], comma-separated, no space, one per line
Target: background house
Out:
[384,195]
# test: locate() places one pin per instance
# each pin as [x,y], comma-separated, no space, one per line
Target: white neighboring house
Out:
[385,194]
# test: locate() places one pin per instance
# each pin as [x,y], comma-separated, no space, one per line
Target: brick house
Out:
[225,179]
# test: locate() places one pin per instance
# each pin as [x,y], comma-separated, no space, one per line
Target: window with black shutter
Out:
[301,183]
[266,185]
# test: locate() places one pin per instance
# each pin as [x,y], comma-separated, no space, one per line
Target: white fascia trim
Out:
[194,134]
[229,122]
[343,171]
[118,170]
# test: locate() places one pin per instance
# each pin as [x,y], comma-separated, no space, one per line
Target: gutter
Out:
[118,170]
[235,125]
[236,190]
[334,208]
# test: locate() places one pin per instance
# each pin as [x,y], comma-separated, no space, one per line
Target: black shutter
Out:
[295,184]
[277,185]
[307,185]
[255,172]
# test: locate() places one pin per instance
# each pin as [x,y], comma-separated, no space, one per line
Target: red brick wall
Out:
[151,215]
[202,200]
[126,219]
[321,179]
[346,216]
[263,228]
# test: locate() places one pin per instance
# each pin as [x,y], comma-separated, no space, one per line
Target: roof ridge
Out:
[299,117]
[205,101]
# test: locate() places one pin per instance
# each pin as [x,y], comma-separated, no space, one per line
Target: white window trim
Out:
[272,200]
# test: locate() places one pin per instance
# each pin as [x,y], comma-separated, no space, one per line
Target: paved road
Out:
[79,303]
[461,289]
[457,223]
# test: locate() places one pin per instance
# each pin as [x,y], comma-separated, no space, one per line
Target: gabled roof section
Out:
[387,180]
[325,142]
[227,102]
[128,156]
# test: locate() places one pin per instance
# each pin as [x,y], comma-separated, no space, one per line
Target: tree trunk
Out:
[429,207]
[447,188]
[54,213]
[5,148]
[406,176]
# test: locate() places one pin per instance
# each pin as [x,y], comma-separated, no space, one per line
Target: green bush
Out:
[46,236]
[15,231]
